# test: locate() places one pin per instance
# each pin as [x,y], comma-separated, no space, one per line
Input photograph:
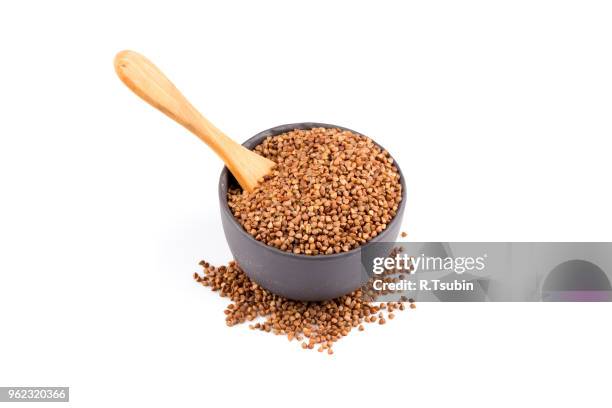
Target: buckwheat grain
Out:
[311,324]
[331,191]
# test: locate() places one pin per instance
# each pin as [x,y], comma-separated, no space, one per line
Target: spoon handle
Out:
[147,81]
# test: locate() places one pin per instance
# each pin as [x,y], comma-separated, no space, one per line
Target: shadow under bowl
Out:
[298,276]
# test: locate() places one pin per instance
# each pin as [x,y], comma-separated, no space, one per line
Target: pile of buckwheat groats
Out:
[315,324]
[331,191]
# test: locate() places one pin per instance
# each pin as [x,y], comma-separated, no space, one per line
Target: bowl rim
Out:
[277,130]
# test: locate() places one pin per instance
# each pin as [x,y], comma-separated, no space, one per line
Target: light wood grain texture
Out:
[147,81]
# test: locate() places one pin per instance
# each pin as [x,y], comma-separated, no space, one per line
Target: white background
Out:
[498,113]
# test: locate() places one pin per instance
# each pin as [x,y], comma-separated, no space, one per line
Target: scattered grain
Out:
[310,323]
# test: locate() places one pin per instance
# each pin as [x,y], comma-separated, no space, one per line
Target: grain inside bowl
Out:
[331,191]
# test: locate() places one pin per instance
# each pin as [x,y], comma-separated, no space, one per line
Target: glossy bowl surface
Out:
[298,276]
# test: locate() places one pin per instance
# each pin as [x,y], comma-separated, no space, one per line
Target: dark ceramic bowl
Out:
[296,276]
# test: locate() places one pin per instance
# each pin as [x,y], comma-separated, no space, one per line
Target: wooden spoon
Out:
[148,82]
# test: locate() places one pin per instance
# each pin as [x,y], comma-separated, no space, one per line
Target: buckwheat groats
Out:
[314,324]
[331,191]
